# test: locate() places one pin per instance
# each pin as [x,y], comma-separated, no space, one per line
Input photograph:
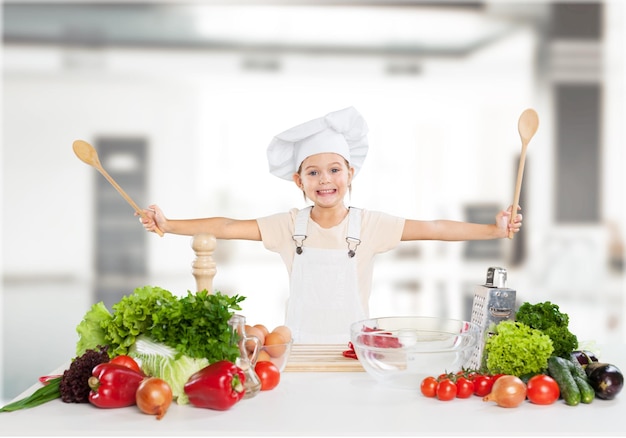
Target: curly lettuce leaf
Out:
[133,316]
[90,330]
[517,349]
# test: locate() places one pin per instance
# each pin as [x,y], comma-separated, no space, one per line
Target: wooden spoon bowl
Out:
[527,127]
[87,154]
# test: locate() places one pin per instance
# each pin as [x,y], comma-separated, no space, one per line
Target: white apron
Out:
[324,297]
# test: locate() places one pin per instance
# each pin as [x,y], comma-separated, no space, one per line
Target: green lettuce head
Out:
[517,349]
[91,332]
[159,360]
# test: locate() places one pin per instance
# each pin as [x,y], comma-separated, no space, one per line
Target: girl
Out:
[328,248]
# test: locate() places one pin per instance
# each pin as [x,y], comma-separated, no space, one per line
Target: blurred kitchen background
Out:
[181,99]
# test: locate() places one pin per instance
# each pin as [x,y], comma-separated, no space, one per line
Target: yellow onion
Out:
[154,396]
[507,391]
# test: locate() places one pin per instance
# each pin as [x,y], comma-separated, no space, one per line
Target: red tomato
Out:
[464,387]
[482,385]
[542,390]
[471,375]
[126,361]
[268,373]
[429,386]
[446,390]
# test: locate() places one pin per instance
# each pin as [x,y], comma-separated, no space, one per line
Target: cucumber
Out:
[576,369]
[559,369]
[587,393]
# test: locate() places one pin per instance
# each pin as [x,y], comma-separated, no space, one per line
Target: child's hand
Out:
[503,220]
[152,218]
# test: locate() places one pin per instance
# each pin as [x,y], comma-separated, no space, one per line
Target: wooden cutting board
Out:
[320,357]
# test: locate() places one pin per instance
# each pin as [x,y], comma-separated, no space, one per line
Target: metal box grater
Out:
[493,302]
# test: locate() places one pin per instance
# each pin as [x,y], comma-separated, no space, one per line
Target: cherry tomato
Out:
[268,373]
[429,386]
[482,385]
[126,361]
[464,387]
[471,375]
[446,390]
[542,390]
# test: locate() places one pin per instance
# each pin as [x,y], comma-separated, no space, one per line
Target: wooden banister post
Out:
[203,266]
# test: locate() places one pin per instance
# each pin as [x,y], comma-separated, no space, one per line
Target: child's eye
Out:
[313,173]
[335,170]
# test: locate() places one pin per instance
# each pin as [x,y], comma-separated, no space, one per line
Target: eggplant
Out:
[606,379]
[584,357]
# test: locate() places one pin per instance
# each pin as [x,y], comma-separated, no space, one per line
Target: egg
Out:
[263,356]
[275,344]
[284,331]
[262,328]
[257,333]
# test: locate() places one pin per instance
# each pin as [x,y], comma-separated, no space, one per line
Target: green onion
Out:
[46,393]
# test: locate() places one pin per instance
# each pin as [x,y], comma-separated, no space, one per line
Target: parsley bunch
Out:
[551,321]
[197,325]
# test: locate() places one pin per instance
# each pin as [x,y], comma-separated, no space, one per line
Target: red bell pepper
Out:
[350,353]
[217,386]
[113,385]
[379,341]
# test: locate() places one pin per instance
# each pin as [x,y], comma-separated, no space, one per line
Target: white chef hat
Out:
[343,132]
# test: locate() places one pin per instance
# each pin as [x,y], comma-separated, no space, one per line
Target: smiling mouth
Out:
[326,191]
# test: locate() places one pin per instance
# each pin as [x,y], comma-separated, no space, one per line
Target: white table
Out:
[333,403]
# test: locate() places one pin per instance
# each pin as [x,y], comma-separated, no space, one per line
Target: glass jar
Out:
[249,347]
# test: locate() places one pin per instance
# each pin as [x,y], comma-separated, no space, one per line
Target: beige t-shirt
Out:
[380,232]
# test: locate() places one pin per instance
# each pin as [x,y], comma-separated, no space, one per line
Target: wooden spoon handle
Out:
[125,196]
[518,186]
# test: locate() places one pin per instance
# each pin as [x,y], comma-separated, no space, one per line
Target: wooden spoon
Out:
[527,126]
[87,154]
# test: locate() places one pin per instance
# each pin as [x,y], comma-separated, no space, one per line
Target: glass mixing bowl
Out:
[399,351]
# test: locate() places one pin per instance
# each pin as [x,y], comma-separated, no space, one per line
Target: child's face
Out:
[325,178]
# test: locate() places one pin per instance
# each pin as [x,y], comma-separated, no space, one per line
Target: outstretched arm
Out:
[220,227]
[458,231]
